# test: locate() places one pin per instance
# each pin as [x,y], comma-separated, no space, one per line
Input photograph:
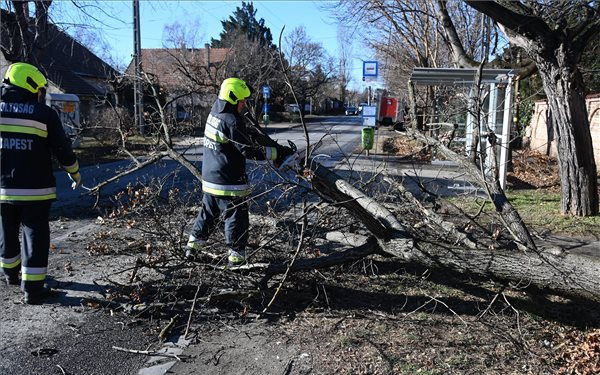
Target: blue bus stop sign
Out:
[370,68]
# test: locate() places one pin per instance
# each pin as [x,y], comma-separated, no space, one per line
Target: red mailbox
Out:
[388,111]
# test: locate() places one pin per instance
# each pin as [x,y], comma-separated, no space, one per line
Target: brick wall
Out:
[538,133]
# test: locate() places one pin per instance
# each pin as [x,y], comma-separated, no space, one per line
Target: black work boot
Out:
[12,280]
[38,297]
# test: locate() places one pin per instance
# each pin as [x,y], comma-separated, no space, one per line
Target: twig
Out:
[187,328]
[326,298]
[148,352]
[165,331]
[517,314]
[61,369]
[448,307]
[491,303]
[288,82]
[433,299]
[288,367]
[300,244]
[146,163]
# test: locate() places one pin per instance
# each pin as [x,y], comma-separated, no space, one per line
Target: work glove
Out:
[283,152]
[75,180]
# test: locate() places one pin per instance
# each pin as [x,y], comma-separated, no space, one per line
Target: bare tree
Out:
[404,34]
[183,35]
[24,42]
[256,63]
[310,66]
[345,38]
[554,35]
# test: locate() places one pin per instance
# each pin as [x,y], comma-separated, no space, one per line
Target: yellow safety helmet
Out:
[25,76]
[234,90]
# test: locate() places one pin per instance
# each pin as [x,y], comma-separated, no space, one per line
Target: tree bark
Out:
[379,220]
[576,162]
[551,269]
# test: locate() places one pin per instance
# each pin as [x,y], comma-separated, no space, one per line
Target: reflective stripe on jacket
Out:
[30,132]
[227,145]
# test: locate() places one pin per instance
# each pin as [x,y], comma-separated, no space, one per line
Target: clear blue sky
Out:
[154,15]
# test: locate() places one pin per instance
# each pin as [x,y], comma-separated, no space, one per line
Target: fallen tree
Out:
[408,230]
[551,269]
[439,244]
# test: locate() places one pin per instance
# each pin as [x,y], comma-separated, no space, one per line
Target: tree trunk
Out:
[565,90]
[551,269]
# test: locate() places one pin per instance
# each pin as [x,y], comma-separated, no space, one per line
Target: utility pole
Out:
[138,93]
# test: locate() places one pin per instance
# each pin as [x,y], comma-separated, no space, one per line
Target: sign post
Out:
[266,91]
[369,112]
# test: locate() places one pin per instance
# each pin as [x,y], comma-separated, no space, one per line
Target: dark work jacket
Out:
[30,132]
[227,145]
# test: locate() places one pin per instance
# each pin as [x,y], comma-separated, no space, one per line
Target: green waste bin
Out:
[266,119]
[367,138]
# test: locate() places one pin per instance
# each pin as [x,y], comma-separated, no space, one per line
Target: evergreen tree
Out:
[243,21]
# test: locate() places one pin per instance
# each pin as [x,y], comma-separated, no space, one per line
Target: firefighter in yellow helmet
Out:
[228,142]
[30,131]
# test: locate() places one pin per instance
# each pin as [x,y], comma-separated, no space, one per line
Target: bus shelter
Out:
[490,93]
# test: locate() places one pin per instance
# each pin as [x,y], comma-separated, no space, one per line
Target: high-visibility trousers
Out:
[29,253]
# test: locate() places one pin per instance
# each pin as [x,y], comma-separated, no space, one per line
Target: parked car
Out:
[351,111]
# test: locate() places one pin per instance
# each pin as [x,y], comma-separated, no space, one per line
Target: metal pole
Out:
[138,94]
[506,126]
[491,126]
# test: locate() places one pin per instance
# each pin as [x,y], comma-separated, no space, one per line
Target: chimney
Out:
[207,49]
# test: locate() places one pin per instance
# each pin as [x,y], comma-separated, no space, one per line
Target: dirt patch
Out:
[532,170]
[380,317]
[400,322]
[405,148]
[528,169]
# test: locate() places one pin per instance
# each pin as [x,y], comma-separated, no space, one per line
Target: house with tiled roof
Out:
[189,77]
[70,67]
